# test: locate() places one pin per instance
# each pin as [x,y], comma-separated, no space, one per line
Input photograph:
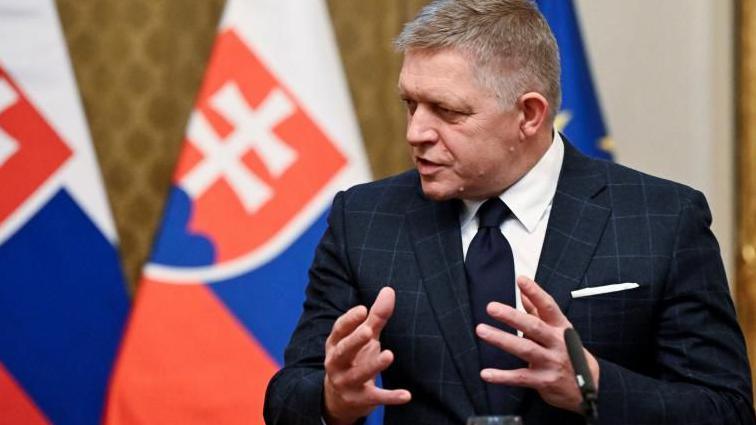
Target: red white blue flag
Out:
[62,298]
[271,138]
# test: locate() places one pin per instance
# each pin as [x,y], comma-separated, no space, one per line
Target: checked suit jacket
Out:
[670,351]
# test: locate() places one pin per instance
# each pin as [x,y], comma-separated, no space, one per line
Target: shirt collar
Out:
[529,197]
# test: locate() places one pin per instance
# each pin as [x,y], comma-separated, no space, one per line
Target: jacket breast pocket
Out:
[613,325]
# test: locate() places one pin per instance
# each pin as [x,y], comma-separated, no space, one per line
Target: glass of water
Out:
[495,420]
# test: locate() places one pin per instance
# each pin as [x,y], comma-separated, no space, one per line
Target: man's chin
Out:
[436,192]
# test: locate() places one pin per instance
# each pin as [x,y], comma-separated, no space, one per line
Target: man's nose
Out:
[420,127]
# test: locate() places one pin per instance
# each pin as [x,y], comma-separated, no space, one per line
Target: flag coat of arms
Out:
[62,296]
[270,140]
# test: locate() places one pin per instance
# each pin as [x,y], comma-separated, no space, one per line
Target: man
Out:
[415,277]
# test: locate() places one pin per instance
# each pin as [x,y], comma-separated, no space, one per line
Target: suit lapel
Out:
[434,227]
[576,223]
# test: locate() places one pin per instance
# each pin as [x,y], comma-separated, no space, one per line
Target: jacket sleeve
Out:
[703,374]
[294,394]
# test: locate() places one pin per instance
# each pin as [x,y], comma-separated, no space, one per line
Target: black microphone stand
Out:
[583,377]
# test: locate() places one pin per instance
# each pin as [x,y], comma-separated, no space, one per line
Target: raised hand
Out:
[549,370]
[353,358]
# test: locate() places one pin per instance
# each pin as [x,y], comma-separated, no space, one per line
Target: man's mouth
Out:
[427,167]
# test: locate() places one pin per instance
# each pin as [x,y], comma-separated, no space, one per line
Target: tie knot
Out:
[492,213]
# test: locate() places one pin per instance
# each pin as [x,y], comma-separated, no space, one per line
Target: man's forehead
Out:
[437,76]
[433,93]
[434,68]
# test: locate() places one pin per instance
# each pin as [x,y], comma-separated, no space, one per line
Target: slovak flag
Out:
[271,138]
[62,297]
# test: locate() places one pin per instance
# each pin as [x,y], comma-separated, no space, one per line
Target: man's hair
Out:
[509,41]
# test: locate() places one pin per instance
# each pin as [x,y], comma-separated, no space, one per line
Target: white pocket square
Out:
[596,290]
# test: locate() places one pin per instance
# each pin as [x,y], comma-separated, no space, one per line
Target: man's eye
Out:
[411,105]
[449,114]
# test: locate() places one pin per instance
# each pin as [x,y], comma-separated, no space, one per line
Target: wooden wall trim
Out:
[745,286]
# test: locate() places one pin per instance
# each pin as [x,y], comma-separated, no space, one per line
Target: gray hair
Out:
[509,40]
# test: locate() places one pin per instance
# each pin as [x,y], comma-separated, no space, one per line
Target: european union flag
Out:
[580,117]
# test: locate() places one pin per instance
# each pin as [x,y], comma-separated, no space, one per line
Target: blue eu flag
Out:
[580,117]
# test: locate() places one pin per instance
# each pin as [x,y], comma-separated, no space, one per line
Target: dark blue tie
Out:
[491,277]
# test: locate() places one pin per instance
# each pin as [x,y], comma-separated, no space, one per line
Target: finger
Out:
[514,377]
[344,353]
[381,311]
[377,395]
[522,348]
[346,324]
[531,326]
[528,305]
[359,374]
[548,309]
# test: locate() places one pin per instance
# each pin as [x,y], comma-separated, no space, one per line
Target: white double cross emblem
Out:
[252,130]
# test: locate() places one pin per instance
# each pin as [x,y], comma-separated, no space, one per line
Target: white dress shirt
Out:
[530,200]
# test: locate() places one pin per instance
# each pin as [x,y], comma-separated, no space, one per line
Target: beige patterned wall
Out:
[746,263]
[365,30]
[139,64]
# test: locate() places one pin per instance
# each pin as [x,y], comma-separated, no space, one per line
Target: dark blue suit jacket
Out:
[670,351]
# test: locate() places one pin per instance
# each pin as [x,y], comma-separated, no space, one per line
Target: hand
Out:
[353,358]
[549,369]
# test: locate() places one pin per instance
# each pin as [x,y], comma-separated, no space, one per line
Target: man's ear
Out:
[534,113]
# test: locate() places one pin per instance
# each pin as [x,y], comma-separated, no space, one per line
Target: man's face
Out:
[464,143]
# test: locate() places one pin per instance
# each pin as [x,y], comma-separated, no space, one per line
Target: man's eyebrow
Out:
[421,97]
[450,102]
[446,99]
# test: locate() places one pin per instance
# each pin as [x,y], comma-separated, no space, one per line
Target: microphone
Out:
[582,376]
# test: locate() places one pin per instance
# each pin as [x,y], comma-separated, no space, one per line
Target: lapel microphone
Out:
[582,376]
